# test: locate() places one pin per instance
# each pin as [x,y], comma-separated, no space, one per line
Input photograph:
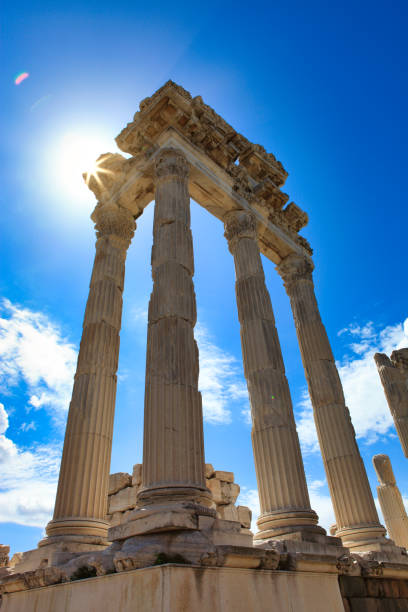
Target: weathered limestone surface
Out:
[137,475]
[283,495]
[223,492]
[391,503]
[394,377]
[4,555]
[118,481]
[80,506]
[172,588]
[356,515]
[123,500]
[173,448]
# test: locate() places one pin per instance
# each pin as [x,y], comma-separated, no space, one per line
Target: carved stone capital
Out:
[295,268]
[239,224]
[114,222]
[171,162]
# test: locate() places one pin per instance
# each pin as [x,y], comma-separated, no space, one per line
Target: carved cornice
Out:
[114,222]
[256,174]
[171,162]
[295,268]
[239,224]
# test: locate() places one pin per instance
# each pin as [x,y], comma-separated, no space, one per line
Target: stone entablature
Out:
[227,171]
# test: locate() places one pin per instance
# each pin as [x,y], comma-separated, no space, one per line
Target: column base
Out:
[78,529]
[170,494]
[279,525]
[365,537]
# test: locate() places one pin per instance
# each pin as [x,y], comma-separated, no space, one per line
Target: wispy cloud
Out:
[221,381]
[33,351]
[362,387]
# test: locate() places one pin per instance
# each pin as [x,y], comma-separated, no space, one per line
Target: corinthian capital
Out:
[114,222]
[295,268]
[239,224]
[171,162]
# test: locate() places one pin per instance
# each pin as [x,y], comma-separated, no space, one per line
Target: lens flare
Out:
[21,77]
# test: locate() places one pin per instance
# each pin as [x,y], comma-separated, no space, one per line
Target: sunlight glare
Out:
[77,153]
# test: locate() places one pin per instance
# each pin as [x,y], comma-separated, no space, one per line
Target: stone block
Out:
[123,500]
[137,475]
[346,605]
[223,492]
[143,522]
[366,604]
[125,516]
[224,476]
[403,588]
[115,518]
[173,588]
[394,588]
[352,586]
[209,470]
[228,512]
[244,516]
[118,481]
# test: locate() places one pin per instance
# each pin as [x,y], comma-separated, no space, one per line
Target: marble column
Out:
[356,515]
[394,377]
[283,494]
[173,448]
[81,502]
[391,503]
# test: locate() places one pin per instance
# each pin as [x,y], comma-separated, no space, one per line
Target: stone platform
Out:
[177,588]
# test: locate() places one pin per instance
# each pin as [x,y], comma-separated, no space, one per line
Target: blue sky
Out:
[324,88]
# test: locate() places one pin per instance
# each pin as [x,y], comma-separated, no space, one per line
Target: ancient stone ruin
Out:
[393,373]
[169,536]
[391,503]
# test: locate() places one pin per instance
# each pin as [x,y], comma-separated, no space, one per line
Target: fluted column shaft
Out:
[173,448]
[391,503]
[356,515]
[394,378]
[283,494]
[80,506]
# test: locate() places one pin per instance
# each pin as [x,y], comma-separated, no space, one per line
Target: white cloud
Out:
[4,422]
[363,391]
[40,362]
[321,503]
[221,381]
[28,480]
[34,351]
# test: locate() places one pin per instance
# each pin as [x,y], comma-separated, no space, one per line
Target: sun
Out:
[76,153]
